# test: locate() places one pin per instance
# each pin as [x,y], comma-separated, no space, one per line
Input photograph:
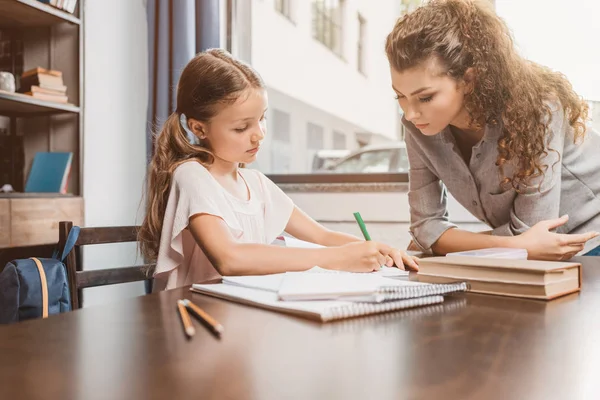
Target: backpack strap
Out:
[69,244]
[44,287]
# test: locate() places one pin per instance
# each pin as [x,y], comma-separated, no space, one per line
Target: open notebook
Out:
[356,287]
[322,284]
[324,311]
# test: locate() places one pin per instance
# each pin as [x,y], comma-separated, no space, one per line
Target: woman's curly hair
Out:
[507,89]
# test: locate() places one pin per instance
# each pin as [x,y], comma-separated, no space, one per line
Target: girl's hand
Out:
[366,256]
[541,244]
[402,260]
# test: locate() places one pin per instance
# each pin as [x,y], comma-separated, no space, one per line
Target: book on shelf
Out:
[49,97]
[47,81]
[544,280]
[40,70]
[65,5]
[44,84]
[45,90]
[49,173]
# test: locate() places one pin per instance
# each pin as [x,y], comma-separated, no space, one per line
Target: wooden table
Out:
[474,346]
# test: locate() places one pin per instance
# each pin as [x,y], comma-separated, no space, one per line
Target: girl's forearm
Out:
[332,238]
[259,259]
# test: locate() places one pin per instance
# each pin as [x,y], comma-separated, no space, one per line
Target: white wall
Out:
[385,213]
[114,146]
[292,62]
[563,36]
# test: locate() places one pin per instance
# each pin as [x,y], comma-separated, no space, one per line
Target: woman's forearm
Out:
[458,240]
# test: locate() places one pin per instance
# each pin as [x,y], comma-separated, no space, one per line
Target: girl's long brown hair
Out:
[210,80]
[464,34]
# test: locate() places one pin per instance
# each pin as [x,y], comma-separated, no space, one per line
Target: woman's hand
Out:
[366,256]
[541,244]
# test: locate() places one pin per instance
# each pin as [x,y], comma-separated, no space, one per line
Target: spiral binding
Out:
[409,292]
[358,309]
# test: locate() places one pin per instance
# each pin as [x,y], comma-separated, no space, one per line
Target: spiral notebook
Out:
[357,287]
[322,284]
[324,311]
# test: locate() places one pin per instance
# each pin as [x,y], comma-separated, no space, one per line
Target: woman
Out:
[505,136]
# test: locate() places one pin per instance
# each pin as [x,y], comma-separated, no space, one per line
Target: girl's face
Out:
[234,135]
[430,99]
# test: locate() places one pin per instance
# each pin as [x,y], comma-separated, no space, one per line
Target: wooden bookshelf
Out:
[38,34]
[24,13]
[17,104]
[33,221]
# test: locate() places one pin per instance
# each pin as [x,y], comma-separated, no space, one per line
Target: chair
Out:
[80,279]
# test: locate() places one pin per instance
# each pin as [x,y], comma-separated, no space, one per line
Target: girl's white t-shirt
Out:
[260,219]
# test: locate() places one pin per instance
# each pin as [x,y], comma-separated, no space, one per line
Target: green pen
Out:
[362,226]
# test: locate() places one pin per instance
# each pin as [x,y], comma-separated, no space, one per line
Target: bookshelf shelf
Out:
[32,35]
[17,104]
[33,221]
[24,13]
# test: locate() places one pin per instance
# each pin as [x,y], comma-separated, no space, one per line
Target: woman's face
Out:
[429,98]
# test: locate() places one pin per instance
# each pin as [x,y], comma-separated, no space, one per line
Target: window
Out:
[401,161]
[360,56]
[315,141]
[367,161]
[284,8]
[339,141]
[325,101]
[595,115]
[281,149]
[327,23]
[407,6]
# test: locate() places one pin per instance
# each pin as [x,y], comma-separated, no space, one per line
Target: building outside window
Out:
[327,23]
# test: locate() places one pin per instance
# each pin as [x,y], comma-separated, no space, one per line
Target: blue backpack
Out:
[36,287]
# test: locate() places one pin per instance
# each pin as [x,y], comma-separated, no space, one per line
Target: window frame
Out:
[331,20]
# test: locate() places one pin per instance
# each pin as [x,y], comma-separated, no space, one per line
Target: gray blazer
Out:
[571,184]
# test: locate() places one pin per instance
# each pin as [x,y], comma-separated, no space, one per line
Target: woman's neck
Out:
[464,131]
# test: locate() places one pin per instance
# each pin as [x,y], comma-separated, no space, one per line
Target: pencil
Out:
[185,319]
[362,226]
[209,321]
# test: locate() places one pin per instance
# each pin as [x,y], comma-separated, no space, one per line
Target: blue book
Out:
[49,173]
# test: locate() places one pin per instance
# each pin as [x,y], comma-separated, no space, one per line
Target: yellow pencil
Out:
[185,319]
[209,321]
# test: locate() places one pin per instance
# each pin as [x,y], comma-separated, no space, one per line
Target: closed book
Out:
[45,80]
[544,280]
[38,89]
[72,4]
[40,70]
[49,97]
[49,173]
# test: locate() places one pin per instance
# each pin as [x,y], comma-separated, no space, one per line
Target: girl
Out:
[505,136]
[205,215]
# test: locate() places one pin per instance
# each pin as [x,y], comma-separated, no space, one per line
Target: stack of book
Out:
[44,84]
[516,277]
[66,5]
